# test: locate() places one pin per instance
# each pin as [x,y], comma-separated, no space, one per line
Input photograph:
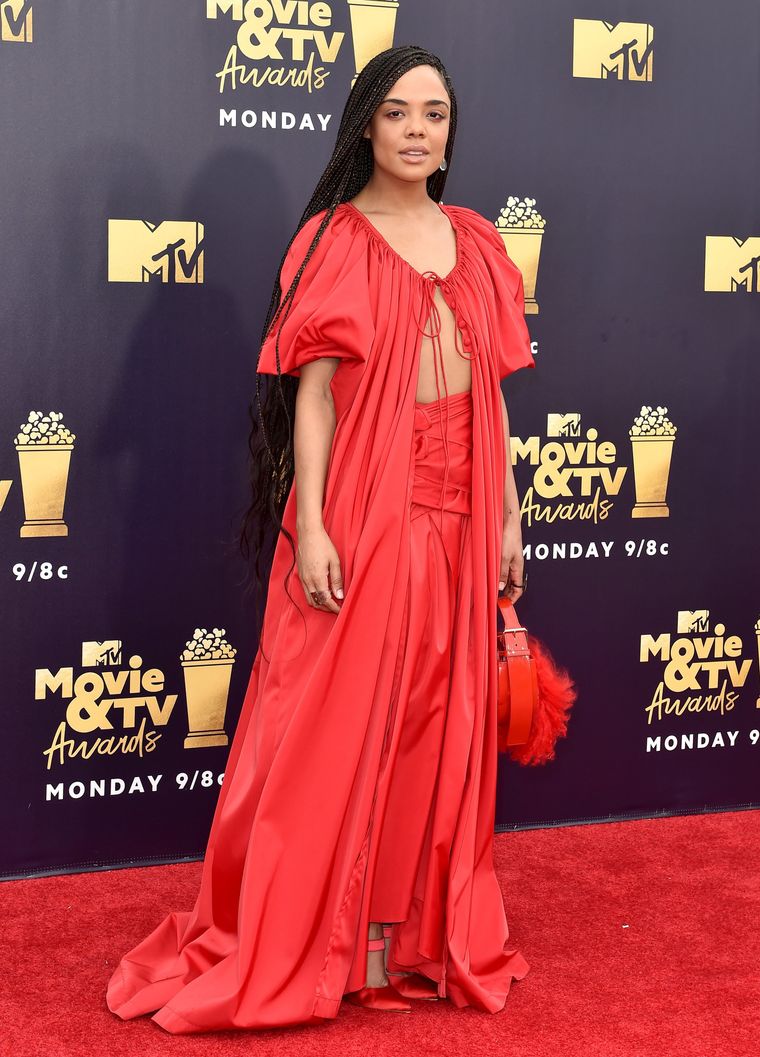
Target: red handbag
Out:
[534,694]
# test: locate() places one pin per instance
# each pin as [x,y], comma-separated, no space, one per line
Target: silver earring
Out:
[443,165]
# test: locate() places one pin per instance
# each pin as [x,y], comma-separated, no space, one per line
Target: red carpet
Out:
[642,939]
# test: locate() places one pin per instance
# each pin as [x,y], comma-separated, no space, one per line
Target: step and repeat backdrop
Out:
[156,160]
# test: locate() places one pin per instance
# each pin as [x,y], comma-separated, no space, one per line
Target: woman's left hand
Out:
[512,562]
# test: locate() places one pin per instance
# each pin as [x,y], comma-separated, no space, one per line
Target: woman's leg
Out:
[376,959]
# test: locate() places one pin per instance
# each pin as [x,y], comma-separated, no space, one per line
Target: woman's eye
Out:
[437,113]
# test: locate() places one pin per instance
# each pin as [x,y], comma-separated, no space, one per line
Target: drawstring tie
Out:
[430,309]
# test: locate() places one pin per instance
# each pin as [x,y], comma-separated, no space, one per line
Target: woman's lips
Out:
[407,156]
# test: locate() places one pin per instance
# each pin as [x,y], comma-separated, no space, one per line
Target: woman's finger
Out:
[307,590]
[336,578]
[326,600]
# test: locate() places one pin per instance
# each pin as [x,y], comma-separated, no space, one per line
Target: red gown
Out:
[278,931]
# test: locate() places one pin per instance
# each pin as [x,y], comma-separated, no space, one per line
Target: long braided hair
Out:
[270,443]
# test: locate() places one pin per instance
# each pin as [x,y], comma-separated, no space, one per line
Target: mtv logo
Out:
[233,8]
[568,425]
[690,621]
[620,51]
[142,252]
[16,20]
[732,264]
[106,654]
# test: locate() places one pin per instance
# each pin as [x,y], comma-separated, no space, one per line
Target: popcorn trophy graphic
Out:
[44,447]
[207,663]
[757,634]
[522,229]
[652,436]
[373,23]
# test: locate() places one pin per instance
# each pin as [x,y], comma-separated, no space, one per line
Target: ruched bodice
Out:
[430,314]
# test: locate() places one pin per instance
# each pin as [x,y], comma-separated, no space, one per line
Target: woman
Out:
[352,837]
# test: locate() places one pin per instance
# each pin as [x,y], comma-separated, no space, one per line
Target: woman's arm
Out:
[312,439]
[312,443]
[511,544]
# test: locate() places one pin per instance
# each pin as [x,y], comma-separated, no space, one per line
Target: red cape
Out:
[277,933]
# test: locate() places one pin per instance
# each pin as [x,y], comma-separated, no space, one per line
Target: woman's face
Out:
[414,115]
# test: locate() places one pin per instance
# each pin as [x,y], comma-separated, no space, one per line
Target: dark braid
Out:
[270,442]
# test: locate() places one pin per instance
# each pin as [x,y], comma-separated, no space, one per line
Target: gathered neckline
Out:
[420,275]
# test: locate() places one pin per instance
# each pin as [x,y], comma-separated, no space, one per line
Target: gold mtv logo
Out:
[691,621]
[141,252]
[568,425]
[731,264]
[106,654]
[16,20]
[618,50]
[234,8]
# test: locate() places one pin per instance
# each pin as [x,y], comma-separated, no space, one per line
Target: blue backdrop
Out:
[156,159]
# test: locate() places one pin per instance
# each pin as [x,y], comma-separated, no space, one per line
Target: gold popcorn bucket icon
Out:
[651,467]
[44,470]
[373,23]
[523,246]
[207,687]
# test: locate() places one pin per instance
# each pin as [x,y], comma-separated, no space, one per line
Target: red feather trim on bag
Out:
[535,694]
[556,696]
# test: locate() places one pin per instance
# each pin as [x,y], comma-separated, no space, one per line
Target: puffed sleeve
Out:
[330,314]
[508,308]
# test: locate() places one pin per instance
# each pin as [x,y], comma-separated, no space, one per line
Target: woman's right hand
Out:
[319,569]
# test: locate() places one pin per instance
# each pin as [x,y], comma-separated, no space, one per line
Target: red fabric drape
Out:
[278,931]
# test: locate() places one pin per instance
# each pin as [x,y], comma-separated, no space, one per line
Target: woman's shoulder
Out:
[337,233]
[337,250]
[304,236]
[476,223]
[339,224]
[490,247]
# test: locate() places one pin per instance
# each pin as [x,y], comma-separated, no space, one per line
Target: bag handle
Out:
[535,695]
[509,615]
[519,672]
